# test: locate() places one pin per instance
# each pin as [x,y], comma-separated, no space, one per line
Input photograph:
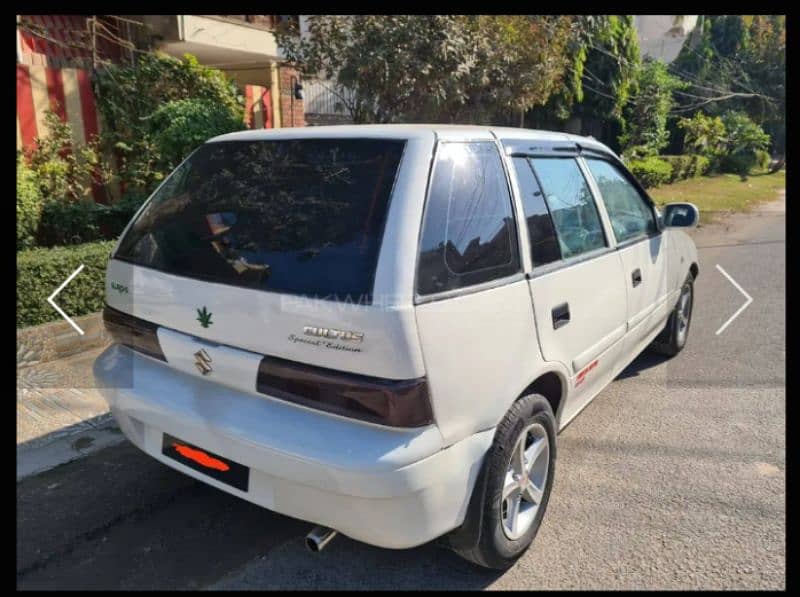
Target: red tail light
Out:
[135,333]
[397,403]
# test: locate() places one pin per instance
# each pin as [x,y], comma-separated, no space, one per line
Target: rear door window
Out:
[541,233]
[469,232]
[302,216]
[574,211]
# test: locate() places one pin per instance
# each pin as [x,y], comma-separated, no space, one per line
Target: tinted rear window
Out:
[468,233]
[303,217]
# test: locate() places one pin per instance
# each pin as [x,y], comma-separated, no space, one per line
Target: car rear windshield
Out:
[301,216]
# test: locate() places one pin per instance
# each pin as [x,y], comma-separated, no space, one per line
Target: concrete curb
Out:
[58,340]
[36,457]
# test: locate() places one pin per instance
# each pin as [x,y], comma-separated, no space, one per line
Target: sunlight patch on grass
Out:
[722,193]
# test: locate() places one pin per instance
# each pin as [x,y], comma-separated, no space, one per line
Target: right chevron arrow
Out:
[740,309]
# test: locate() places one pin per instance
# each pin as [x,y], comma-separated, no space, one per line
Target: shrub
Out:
[741,163]
[40,271]
[85,221]
[182,125]
[744,139]
[114,218]
[68,223]
[651,172]
[128,96]
[704,135]
[763,159]
[638,152]
[29,204]
[680,166]
[64,170]
[702,165]
[686,166]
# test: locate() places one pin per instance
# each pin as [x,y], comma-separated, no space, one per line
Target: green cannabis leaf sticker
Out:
[204,317]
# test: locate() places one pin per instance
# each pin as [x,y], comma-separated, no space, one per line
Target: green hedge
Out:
[651,172]
[41,271]
[29,205]
[74,223]
[686,166]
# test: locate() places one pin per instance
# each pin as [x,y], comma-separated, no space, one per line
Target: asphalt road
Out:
[673,478]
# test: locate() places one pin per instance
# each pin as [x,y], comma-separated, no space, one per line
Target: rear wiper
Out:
[241,265]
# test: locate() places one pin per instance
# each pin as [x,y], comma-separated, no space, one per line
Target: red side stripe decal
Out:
[582,375]
[25,109]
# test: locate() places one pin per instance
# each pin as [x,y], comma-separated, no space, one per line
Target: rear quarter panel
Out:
[480,352]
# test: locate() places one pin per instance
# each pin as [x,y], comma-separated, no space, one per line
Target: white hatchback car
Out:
[382,329]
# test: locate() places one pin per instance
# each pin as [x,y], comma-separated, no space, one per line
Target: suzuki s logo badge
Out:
[204,317]
[202,361]
[332,334]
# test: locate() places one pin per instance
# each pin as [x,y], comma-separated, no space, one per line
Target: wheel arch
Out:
[553,385]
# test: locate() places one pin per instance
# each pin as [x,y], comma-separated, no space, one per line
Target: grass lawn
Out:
[722,193]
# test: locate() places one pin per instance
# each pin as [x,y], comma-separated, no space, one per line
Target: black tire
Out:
[482,539]
[672,339]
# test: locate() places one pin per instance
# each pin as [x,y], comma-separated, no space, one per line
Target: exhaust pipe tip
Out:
[318,538]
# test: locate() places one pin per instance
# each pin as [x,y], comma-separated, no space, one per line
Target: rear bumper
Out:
[387,487]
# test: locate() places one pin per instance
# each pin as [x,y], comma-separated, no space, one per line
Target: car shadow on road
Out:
[644,361]
[118,519]
[349,565]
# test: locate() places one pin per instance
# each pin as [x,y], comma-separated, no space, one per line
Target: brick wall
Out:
[292,110]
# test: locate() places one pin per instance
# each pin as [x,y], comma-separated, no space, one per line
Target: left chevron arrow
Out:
[57,308]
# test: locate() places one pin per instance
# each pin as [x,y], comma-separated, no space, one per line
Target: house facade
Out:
[56,54]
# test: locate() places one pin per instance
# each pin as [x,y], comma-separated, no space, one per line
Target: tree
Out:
[439,68]
[704,135]
[647,111]
[738,62]
[604,57]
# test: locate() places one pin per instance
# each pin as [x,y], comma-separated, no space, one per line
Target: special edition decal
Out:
[329,338]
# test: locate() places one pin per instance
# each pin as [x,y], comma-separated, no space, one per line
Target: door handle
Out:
[636,277]
[560,315]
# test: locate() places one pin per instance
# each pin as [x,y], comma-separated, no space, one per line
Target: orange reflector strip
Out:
[201,457]
[582,375]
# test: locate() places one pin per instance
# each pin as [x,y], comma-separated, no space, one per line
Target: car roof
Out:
[408,131]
